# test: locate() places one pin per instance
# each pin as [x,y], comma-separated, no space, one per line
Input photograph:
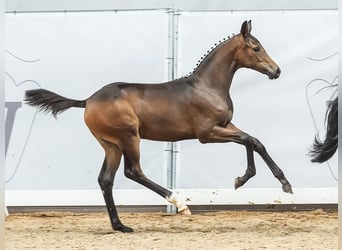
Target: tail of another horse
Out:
[48,101]
[323,151]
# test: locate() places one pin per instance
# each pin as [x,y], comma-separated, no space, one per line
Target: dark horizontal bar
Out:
[194,208]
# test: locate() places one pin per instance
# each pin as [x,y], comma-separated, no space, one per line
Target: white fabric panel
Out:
[275,111]
[75,54]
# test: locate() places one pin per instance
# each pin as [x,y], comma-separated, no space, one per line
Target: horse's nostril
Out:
[275,74]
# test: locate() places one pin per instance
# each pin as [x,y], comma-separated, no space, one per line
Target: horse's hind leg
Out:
[106,180]
[134,172]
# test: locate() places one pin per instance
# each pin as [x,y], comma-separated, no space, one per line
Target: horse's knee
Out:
[247,140]
[258,146]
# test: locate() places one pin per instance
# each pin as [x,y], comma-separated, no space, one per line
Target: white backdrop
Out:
[74,54]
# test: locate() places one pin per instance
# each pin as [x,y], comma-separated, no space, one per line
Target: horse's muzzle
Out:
[275,74]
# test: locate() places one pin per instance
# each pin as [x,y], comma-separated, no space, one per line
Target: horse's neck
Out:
[218,68]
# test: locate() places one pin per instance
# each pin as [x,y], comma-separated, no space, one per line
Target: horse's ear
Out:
[246,28]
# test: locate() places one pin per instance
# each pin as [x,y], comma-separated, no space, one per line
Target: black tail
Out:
[48,101]
[323,151]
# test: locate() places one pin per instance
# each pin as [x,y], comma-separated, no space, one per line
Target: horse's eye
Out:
[256,49]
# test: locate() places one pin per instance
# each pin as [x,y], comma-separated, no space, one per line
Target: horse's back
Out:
[150,111]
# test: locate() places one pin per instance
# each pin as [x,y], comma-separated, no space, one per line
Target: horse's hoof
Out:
[287,188]
[237,183]
[185,211]
[123,228]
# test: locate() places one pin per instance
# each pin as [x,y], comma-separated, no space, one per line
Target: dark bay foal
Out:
[199,106]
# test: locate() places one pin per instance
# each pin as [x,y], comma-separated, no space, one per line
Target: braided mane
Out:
[200,61]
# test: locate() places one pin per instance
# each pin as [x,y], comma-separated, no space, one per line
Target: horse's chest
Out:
[215,111]
[221,111]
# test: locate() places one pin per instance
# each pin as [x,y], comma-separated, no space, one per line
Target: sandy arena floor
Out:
[218,230]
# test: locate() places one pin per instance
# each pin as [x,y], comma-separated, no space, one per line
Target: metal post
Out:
[171,147]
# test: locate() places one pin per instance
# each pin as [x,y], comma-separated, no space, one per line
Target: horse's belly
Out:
[161,130]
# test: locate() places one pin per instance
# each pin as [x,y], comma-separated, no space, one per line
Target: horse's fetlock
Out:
[279,174]
[251,172]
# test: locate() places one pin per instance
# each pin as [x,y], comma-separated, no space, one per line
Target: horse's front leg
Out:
[277,172]
[230,133]
[250,171]
[233,134]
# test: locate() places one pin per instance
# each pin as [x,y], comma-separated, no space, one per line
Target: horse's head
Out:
[251,54]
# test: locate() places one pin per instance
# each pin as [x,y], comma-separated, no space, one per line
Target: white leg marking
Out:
[181,206]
